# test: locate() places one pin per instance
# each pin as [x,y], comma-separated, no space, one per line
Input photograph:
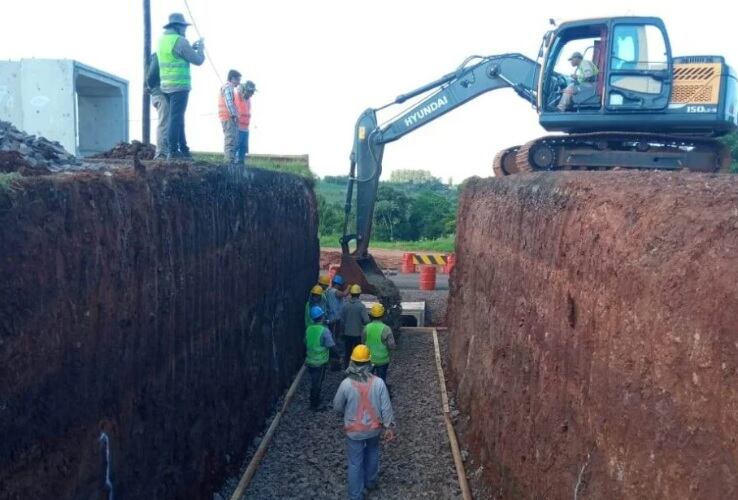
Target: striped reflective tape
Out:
[430,259]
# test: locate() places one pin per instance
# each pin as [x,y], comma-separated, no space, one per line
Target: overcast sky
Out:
[318,64]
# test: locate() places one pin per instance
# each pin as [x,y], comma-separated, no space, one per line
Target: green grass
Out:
[441,245]
[298,165]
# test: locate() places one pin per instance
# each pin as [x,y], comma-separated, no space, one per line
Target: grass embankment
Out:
[441,245]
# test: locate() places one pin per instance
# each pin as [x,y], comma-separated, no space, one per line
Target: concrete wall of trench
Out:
[594,334]
[162,311]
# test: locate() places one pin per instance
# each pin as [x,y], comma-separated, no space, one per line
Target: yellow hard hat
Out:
[377,311]
[355,290]
[324,279]
[316,290]
[360,354]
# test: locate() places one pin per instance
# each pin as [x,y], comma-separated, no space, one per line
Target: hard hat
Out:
[316,290]
[338,279]
[316,312]
[324,279]
[576,55]
[377,311]
[360,354]
[355,290]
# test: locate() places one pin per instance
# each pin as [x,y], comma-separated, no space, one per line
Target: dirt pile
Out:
[30,155]
[127,151]
[135,319]
[593,334]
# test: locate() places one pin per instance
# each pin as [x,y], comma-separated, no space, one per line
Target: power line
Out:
[207,54]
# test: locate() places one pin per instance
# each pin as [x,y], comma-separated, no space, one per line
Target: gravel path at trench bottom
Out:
[307,458]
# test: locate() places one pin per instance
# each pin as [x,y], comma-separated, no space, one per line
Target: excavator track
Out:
[627,150]
[505,162]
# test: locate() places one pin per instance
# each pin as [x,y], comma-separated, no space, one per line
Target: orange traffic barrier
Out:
[408,263]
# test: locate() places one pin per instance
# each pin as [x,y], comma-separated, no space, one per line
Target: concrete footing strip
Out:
[261,450]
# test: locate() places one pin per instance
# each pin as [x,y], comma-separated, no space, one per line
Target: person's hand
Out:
[389,435]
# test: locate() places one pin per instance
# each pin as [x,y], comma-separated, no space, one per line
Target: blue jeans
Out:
[363,465]
[242,149]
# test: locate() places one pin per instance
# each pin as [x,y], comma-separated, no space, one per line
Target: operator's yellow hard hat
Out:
[360,354]
[377,311]
[316,290]
[355,290]
[324,279]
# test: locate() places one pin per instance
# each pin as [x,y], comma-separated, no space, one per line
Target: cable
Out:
[205,48]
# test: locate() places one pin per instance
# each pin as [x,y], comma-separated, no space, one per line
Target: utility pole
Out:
[146,111]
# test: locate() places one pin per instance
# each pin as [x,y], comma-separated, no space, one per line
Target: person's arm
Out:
[230,104]
[152,76]
[385,411]
[339,400]
[388,338]
[364,315]
[327,340]
[192,55]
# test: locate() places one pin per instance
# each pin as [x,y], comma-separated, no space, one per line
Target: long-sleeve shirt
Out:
[347,400]
[335,303]
[227,92]
[153,81]
[354,317]
[388,338]
[184,50]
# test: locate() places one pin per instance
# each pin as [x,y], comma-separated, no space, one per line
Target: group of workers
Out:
[363,397]
[169,82]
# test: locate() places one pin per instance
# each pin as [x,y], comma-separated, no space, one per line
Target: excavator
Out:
[644,109]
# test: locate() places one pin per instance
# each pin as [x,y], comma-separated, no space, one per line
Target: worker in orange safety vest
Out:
[243,105]
[228,115]
[364,401]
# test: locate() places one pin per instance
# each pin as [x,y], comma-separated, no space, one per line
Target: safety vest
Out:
[365,419]
[223,112]
[174,72]
[378,351]
[243,106]
[582,77]
[317,354]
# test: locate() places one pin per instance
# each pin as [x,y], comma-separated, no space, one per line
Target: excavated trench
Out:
[594,335]
[149,320]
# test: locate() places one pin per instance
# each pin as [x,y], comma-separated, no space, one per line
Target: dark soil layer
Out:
[594,334]
[307,457]
[162,310]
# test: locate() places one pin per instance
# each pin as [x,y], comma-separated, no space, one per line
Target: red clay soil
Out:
[594,334]
[163,309]
[386,259]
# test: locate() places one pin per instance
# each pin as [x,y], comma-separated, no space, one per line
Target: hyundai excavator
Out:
[645,109]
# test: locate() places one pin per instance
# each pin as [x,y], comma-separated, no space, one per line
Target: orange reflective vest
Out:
[223,112]
[366,418]
[244,110]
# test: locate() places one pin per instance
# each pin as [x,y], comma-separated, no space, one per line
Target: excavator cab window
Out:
[639,73]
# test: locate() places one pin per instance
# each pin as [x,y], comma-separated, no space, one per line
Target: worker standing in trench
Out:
[316,299]
[320,348]
[353,319]
[379,338]
[364,401]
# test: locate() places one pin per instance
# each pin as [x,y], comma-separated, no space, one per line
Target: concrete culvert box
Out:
[83,108]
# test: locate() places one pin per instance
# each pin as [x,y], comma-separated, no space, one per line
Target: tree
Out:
[430,216]
[732,142]
[330,217]
[413,176]
[390,214]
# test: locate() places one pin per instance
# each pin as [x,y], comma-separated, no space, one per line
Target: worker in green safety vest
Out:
[380,340]
[320,348]
[316,299]
[174,56]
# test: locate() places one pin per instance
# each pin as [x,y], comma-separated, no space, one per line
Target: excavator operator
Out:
[585,74]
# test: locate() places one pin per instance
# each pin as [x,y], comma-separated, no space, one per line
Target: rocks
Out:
[126,151]
[30,155]
[306,458]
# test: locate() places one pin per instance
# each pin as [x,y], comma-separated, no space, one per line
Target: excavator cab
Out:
[634,65]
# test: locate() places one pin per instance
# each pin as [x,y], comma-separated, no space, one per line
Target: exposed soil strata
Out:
[163,308]
[594,334]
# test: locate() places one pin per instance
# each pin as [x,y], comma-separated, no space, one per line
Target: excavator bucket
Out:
[365,273]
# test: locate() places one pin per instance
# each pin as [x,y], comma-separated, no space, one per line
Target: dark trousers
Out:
[381,372]
[317,375]
[349,342]
[242,148]
[177,109]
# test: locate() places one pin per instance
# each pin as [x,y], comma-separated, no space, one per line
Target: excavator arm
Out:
[475,76]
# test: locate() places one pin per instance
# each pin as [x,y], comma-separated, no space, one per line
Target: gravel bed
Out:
[306,458]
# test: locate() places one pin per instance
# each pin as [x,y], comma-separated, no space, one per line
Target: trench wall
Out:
[594,334]
[148,323]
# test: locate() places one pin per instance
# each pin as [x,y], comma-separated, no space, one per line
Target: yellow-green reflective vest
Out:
[174,72]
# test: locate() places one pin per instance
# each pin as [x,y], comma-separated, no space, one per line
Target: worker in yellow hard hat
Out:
[364,401]
[316,299]
[380,340]
[324,281]
[353,319]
